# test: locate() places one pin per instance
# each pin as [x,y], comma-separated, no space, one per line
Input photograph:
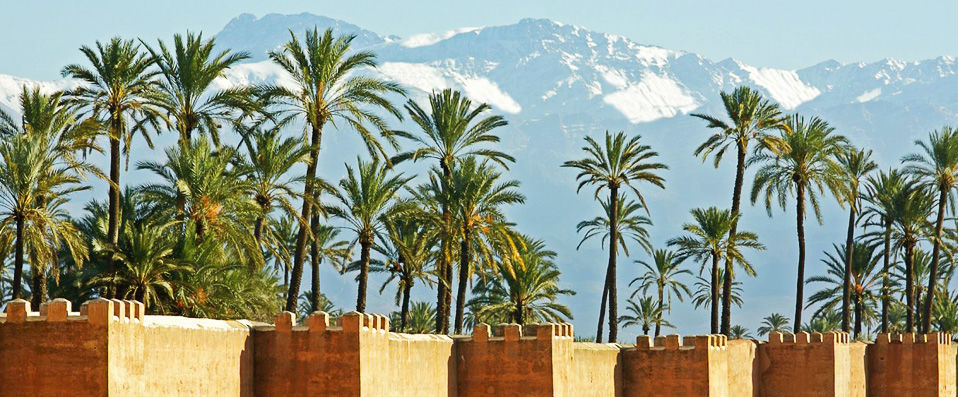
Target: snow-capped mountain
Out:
[556,83]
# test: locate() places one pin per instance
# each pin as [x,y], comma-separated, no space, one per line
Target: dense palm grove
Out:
[228,231]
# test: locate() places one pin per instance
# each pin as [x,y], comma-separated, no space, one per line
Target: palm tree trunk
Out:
[736,205]
[258,229]
[441,289]
[18,260]
[645,330]
[884,284]
[113,218]
[858,317]
[520,313]
[39,287]
[299,254]
[314,261]
[800,228]
[465,261]
[715,294]
[846,285]
[611,278]
[443,292]
[404,310]
[364,246]
[658,324]
[909,286]
[602,306]
[935,256]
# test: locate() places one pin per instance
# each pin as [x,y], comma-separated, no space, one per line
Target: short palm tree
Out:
[187,93]
[630,225]
[422,318]
[308,305]
[881,191]
[936,166]
[119,93]
[702,294]
[619,162]
[739,332]
[145,261]
[452,130]
[708,239]
[367,196]
[645,313]
[325,247]
[480,194]
[855,165]
[864,291]
[775,322]
[529,293]
[824,321]
[804,164]
[752,118]
[945,317]
[408,246]
[662,275]
[329,87]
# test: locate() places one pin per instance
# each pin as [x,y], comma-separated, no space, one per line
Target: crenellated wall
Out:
[110,348]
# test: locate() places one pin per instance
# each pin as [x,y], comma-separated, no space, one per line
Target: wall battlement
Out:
[110,348]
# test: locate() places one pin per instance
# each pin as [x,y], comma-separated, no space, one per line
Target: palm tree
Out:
[824,321]
[186,86]
[621,162]
[452,130]
[119,93]
[702,295]
[480,193]
[408,247]
[945,318]
[881,193]
[528,293]
[367,196]
[643,313]
[937,166]
[630,225]
[773,323]
[909,210]
[662,274]
[866,276]
[739,332]
[804,163]
[329,87]
[422,318]
[325,247]
[307,305]
[752,117]
[145,257]
[855,165]
[708,239]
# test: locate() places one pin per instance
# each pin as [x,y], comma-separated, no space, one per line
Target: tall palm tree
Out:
[643,313]
[910,209]
[775,322]
[881,192]
[708,239]
[452,130]
[630,224]
[119,92]
[480,194]
[618,163]
[752,117]
[408,246]
[866,277]
[662,275]
[325,247]
[187,93]
[529,293]
[329,88]
[855,165]
[936,166]
[367,196]
[702,295]
[804,164]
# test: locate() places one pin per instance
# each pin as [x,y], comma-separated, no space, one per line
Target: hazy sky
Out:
[41,36]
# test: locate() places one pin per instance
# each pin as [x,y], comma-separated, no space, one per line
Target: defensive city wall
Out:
[110,348]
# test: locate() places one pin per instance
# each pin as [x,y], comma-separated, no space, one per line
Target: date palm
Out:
[855,165]
[910,208]
[739,332]
[702,295]
[367,196]
[119,91]
[825,321]
[480,193]
[662,275]
[645,313]
[630,225]
[881,191]
[325,247]
[422,318]
[450,131]
[708,240]
[775,322]
[408,247]
[864,291]
[528,294]
[618,162]
[187,92]
[804,164]
[937,166]
[752,118]
[145,261]
[329,86]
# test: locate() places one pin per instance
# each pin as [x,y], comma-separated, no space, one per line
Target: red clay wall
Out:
[698,367]
[922,365]
[804,365]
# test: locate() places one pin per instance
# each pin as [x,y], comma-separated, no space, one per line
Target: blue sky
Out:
[42,36]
